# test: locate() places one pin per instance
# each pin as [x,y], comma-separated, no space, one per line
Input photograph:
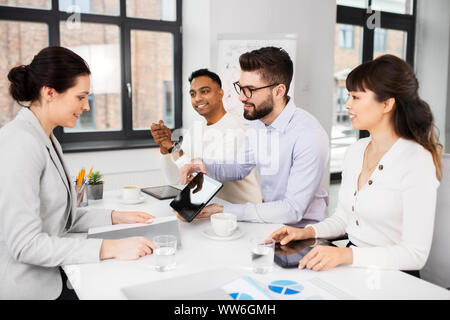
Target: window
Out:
[98,44]
[390,42]
[395,6]
[374,33]
[152,69]
[343,135]
[379,40]
[106,7]
[133,49]
[19,42]
[352,3]
[346,36]
[38,4]
[159,10]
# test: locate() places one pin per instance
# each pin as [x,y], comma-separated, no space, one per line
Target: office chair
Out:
[437,268]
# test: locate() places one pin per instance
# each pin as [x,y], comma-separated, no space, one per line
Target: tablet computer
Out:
[288,256]
[160,226]
[195,196]
[162,192]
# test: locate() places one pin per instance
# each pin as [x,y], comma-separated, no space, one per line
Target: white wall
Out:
[314,23]
[196,48]
[432,58]
[447,134]
[126,167]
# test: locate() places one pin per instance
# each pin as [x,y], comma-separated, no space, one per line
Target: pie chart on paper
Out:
[285,287]
[241,296]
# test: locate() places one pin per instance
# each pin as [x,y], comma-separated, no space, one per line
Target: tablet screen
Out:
[195,196]
[162,192]
[288,256]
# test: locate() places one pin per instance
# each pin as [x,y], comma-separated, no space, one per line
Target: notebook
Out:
[159,226]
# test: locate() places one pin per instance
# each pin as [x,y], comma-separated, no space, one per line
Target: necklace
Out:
[368,167]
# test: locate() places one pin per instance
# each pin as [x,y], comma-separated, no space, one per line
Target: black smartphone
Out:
[288,256]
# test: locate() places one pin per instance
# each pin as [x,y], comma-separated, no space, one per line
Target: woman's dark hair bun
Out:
[54,67]
[20,82]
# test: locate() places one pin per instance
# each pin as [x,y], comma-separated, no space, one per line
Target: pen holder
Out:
[81,193]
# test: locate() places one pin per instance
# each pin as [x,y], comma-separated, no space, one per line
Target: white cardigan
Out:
[391,218]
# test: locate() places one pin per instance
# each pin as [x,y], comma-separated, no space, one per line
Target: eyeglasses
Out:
[248,92]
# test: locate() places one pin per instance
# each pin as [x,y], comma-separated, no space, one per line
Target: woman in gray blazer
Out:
[37,203]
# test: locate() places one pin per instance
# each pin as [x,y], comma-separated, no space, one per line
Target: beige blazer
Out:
[37,212]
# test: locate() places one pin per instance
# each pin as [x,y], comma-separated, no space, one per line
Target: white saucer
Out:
[209,233]
[132,201]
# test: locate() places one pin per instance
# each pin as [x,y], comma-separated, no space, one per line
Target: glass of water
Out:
[166,247]
[263,251]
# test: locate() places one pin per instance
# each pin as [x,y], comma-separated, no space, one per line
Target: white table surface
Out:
[104,280]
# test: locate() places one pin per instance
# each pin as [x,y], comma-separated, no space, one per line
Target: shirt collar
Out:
[281,122]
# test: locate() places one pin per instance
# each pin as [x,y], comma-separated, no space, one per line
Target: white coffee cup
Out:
[131,193]
[224,224]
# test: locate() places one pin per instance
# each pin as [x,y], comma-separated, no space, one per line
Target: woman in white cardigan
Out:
[389,181]
[37,202]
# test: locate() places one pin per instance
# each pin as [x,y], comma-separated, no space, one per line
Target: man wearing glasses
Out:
[286,144]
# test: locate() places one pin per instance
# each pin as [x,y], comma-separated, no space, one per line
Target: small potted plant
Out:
[95,186]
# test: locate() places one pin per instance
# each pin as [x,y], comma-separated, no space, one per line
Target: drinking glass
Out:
[166,247]
[263,251]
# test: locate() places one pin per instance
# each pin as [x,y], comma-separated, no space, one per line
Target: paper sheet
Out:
[127,226]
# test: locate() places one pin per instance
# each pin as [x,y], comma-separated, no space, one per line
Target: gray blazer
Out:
[37,211]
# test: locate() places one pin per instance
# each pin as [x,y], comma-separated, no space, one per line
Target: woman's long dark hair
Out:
[391,77]
[54,67]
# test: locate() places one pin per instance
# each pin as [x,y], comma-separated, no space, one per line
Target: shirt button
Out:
[353,208]
[355,193]
[370,182]
[381,167]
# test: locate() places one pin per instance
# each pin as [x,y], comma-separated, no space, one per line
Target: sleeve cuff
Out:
[181,161]
[90,218]
[237,209]
[96,245]
[104,217]
[167,157]
[358,261]
[370,258]
[315,230]
[323,231]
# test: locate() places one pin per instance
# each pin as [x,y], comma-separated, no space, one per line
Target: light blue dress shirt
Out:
[291,156]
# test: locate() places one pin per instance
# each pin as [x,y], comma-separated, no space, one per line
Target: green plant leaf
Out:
[95,178]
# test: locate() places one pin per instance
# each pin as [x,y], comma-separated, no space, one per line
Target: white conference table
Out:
[105,279]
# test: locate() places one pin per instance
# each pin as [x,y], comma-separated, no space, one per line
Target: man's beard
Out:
[263,109]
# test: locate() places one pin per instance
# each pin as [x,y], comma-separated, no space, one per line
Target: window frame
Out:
[126,138]
[395,21]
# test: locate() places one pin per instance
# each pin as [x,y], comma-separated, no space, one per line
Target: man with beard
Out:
[218,137]
[286,144]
